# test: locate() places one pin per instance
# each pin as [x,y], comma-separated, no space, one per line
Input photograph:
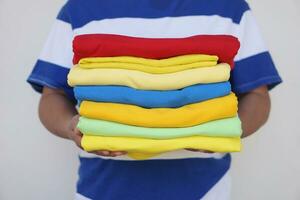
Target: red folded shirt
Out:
[106,45]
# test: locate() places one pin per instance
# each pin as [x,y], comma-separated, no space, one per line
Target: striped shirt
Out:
[174,175]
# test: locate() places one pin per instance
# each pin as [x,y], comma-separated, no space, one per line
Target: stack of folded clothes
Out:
[148,96]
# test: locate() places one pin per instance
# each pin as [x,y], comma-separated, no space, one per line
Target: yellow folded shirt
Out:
[153,66]
[140,148]
[147,81]
[185,116]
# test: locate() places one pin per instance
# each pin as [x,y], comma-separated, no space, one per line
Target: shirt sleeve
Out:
[55,60]
[254,66]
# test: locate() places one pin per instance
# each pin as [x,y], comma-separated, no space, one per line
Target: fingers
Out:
[73,132]
[77,132]
[119,153]
[74,122]
[76,118]
[202,151]
[77,140]
[76,136]
[205,151]
[109,153]
[101,153]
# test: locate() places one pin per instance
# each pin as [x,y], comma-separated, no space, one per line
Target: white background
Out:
[36,165]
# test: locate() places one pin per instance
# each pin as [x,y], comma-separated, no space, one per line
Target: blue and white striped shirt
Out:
[176,175]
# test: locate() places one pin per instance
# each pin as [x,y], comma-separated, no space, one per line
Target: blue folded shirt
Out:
[151,98]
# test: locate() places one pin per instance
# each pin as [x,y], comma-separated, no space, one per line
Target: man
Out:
[176,175]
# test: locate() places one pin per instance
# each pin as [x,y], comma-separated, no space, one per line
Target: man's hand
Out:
[59,116]
[254,109]
[76,136]
[201,151]
[73,132]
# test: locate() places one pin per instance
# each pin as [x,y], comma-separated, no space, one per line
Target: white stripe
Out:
[166,27]
[180,154]
[176,27]
[81,197]
[221,190]
[250,38]
[58,47]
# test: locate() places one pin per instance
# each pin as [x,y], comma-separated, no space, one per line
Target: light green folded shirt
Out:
[229,127]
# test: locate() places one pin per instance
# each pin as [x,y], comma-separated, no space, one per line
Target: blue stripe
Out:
[180,179]
[152,99]
[253,72]
[81,12]
[50,75]
[64,15]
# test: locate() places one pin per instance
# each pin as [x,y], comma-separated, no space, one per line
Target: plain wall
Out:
[36,165]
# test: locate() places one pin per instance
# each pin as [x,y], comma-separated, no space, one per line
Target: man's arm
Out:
[56,112]
[59,115]
[254,109]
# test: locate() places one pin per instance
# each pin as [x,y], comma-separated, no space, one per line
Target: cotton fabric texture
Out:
[152,98]
[146,81]
[230,127]
[108,45]
[185,116]
[141,148]
[153,66]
